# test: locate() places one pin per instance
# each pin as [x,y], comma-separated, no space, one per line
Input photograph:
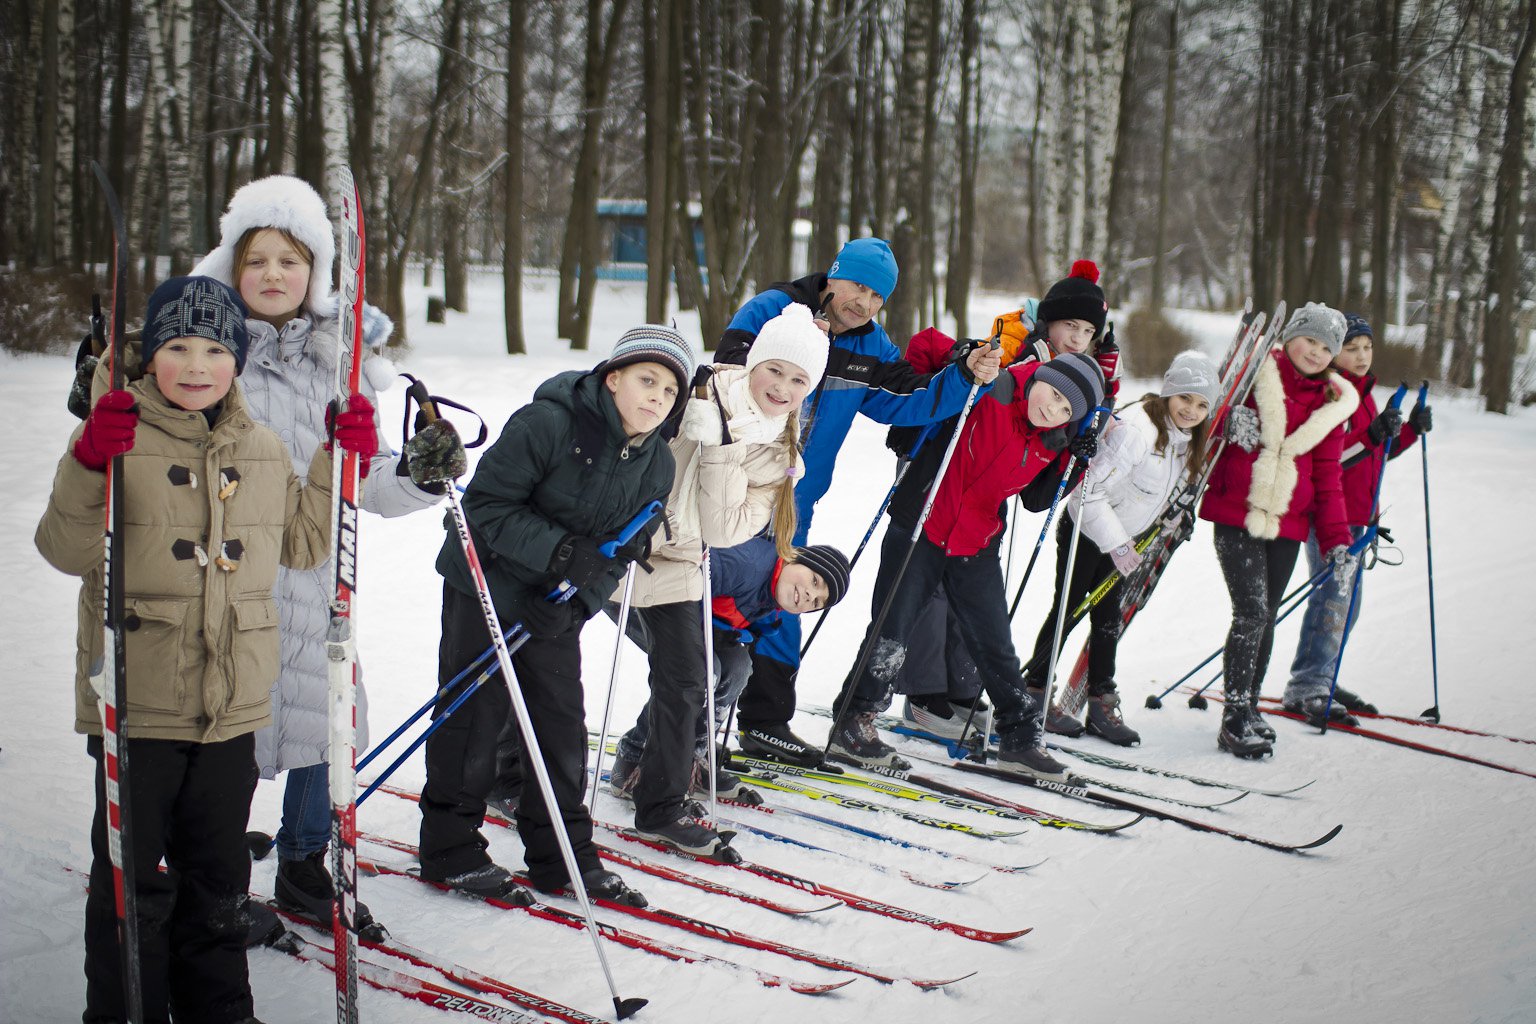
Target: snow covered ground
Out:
[1421,910]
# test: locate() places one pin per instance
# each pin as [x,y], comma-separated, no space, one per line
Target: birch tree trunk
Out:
[512,177]
[66,166]
[333,104]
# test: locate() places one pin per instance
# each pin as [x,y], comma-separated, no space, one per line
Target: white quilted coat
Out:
[289,377]
[1129,483]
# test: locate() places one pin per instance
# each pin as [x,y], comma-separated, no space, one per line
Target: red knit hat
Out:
[1076,297]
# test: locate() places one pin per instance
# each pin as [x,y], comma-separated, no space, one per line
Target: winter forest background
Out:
[1373,154]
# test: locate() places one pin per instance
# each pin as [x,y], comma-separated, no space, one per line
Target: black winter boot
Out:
[304,887]
[1237,736]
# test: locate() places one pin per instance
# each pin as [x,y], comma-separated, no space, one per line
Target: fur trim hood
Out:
[279,201]
[1274,478]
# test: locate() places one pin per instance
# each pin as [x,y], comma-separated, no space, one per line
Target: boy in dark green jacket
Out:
[570,470]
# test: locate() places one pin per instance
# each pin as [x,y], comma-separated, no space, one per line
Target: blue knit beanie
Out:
[1356,325]
[196,307]
[866,261]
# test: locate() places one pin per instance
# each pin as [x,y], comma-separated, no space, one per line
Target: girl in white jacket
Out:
[737,458]
[1155,446]
[276,248]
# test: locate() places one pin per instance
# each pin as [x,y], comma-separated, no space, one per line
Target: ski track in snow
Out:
[1420,910]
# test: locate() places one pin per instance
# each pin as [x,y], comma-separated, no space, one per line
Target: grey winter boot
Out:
[1023,752]
[1055,721]
[1106,722]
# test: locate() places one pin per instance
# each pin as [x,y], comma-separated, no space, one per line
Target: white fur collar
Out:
[1274,471]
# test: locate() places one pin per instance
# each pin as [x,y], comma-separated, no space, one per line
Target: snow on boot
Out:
[1023,752]
[1257,722]
[1106,722]
[603,884]
[779,744]
[304,887]
[1352,701]
[488,881]
[1237,735]
[858,743]
[1316,706]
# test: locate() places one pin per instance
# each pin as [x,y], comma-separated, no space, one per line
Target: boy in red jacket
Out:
[1365,437]
[1018,439]
[1277,480]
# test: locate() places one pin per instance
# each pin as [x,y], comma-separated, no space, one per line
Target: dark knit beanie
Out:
[196,307]
[1078,378]
[654,343]
[1076,297]
[831,565]
[1355,325]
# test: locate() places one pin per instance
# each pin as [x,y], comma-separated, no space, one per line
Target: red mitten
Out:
[108,430]
[354,430]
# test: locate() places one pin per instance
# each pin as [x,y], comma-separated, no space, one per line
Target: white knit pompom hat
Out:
[280,201]
[793,337]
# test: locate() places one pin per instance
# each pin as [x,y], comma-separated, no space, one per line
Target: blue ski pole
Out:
[1394,404]
[1432,713]
[514,639]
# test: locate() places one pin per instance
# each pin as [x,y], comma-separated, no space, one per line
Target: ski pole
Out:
[709,680]
[1395,403]
[1433,711]
[868,647]
[1090,424]
[613,678]
[109,675]
[622,1007]
[1155,701]
[901,470]
[559,595]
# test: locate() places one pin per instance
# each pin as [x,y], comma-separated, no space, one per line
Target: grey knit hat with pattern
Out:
[1315,320]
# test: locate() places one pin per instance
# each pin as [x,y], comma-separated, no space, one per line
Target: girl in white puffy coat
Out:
[738,457]
[276,248]
[1154,446]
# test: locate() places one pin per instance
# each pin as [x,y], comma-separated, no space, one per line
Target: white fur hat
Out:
[794,338]
[280,201]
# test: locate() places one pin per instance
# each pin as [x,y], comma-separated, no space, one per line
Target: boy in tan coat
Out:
[211,507]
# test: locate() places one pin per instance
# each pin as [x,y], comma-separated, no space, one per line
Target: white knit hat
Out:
[1192,373]
[793,337]
[280,201]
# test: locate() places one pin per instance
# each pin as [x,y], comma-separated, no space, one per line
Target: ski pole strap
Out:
[430,404]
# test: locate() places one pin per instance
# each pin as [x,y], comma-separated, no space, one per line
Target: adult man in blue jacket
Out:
[865,374]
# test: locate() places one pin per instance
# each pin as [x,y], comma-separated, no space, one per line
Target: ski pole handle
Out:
[567,590]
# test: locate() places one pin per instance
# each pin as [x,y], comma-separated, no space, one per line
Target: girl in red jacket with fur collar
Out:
[1277,480]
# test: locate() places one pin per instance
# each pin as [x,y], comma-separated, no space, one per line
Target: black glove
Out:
[80,390]
[578,561]
[1386,425]
[1055,439]
[1084,446]
[433,457]
[1420,418]
[545,620]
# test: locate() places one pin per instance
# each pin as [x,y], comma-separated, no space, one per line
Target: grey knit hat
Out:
[1079,380]
[1192,373]
[655,343]
[1315,320]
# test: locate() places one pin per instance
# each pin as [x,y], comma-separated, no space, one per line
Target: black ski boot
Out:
[857,742]
[489,881]
[623,776]
[602,884]
[728,785]
[689,836]
[778,743]
[1352,701]
[1106,722]
[1237,736]
[1256,720]
[304,887]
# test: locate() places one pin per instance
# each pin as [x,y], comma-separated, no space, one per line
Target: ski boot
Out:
[1106,722]
[1023,752]
[858,743]
[1316,706]
[489,881]
[728,785]
[602,884]
[304,887]
[1237,736]
[776,742]
[687,835]
[1055,721]
[1352,701]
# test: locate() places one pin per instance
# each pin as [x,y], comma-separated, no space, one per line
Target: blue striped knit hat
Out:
[655,343]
